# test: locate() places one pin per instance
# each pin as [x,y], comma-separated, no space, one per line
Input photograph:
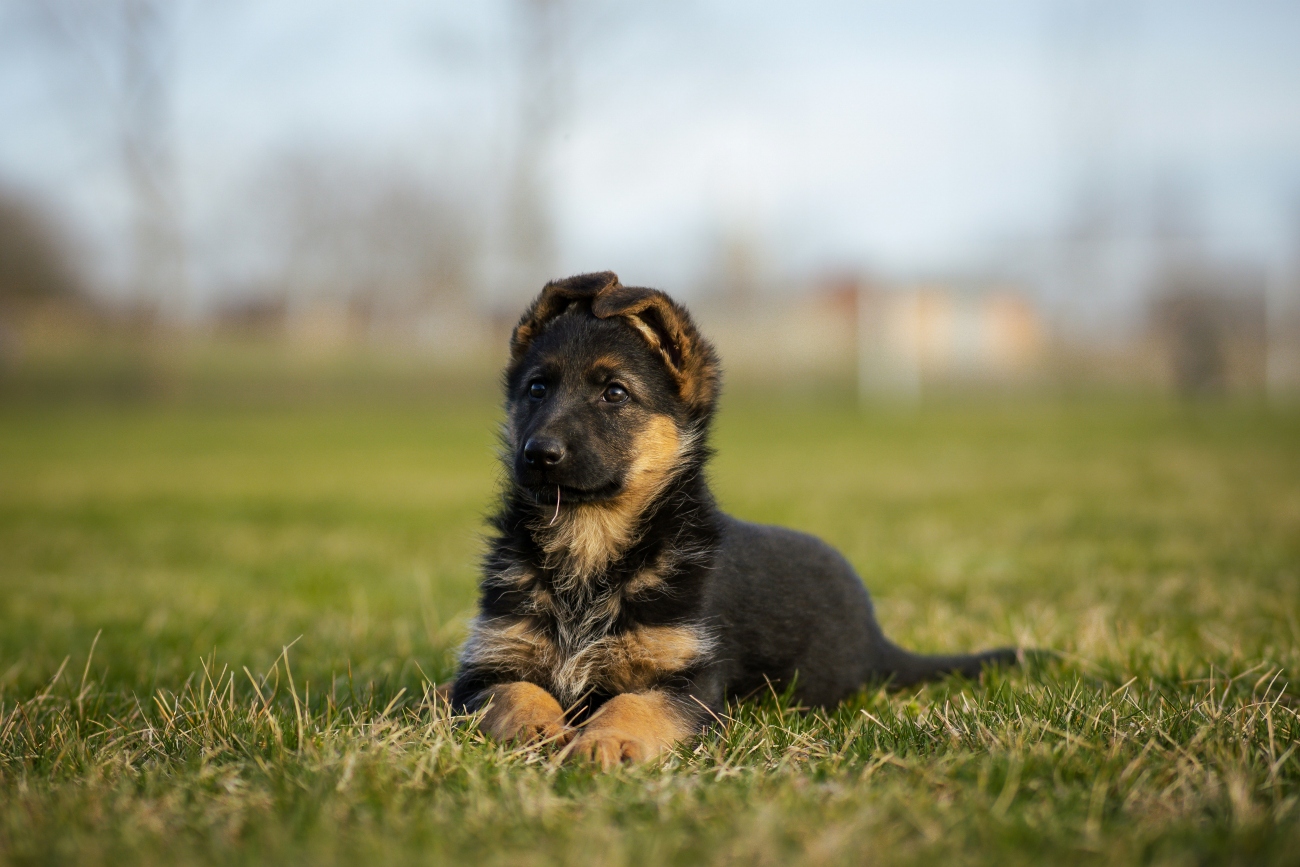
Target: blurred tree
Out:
[148,152]
[378,244]
[126,52]
[1192,327]
[35,264]
[37,271]
[1210,321]
[529,235]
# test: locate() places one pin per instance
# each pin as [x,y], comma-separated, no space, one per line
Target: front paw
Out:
[631,727]
[531,731]
[525,712]
[610,748]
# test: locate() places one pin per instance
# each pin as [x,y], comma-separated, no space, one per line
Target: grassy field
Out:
[219,628]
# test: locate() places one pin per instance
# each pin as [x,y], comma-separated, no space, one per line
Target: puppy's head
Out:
[609,389]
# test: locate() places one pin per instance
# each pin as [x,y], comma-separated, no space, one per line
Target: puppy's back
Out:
[788,604]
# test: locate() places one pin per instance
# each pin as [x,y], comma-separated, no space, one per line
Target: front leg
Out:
[634,727]
[522,711]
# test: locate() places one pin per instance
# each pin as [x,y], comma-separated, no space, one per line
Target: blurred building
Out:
[894,339]
[946,332]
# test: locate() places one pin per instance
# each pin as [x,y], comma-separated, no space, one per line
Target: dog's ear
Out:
[555,298]
[668,328]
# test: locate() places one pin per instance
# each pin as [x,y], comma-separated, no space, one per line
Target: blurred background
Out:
[1008,300]
[879,198]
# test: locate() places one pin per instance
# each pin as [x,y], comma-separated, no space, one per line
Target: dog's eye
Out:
[537,390]
[614,394]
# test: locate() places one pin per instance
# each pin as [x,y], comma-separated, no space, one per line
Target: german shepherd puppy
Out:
[619,607]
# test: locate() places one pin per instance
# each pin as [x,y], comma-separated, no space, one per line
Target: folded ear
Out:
[668,328]
[555,298]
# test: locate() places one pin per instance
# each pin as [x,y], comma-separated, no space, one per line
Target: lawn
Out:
[220,626]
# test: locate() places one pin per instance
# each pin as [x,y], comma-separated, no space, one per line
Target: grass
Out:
[219,628]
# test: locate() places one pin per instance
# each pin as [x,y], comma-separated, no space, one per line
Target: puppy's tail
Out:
[902,668]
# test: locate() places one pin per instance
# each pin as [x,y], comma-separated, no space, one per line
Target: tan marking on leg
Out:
[524,712]
[632,727]
[645,655]
[509,644]
[643,581]
[630,662]
[652,577]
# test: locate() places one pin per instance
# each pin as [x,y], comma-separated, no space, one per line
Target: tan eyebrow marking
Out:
[614,368]
[605,365]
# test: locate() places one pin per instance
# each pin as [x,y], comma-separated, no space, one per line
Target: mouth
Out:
[545,495]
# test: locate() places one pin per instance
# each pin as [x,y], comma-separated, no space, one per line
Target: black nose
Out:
[543,451]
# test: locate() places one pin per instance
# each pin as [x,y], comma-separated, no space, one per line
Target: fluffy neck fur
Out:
[663,495]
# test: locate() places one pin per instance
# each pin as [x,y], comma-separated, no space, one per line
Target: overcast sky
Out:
[909,136]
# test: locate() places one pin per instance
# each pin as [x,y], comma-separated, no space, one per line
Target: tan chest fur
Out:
[581,540]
